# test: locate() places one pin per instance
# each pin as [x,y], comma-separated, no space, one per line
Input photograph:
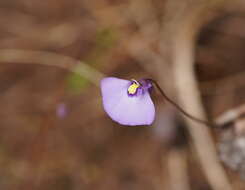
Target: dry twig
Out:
[185,25]
[51,59]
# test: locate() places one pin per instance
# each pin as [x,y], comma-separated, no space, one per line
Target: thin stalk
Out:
[207,123]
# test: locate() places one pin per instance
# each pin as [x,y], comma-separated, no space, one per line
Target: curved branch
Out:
[51,59]
[185,25]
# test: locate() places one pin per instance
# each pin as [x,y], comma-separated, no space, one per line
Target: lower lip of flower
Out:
[128,102]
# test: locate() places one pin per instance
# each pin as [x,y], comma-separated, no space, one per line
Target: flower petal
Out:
[137,110]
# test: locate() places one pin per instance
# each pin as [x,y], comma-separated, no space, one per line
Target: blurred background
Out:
[54,133]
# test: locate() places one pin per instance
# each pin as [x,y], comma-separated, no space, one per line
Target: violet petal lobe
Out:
[126,110]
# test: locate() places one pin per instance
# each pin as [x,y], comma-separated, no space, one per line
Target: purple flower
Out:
[61,110]
[128,102]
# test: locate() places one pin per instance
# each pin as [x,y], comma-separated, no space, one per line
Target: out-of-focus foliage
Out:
[76,83]
[105,38]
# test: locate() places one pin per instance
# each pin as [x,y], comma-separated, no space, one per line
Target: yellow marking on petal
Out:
[133,88]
